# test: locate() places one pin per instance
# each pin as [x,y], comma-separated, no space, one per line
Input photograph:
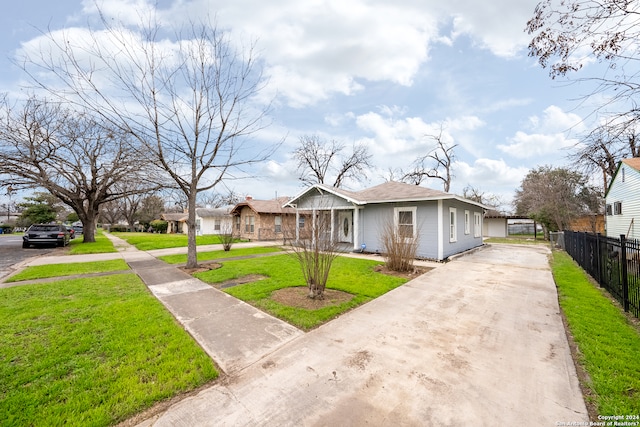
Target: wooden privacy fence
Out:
[613,262]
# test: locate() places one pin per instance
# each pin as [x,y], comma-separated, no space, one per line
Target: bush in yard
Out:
[316,252]
[400,243]
[159,225]
[226,237]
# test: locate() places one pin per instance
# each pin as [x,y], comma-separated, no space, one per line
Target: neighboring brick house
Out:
[264,219]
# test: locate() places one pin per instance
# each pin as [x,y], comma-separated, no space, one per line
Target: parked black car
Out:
[46,234]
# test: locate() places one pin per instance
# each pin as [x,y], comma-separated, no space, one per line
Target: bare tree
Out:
[316,251]
[567,35]
[555,196]
[319,161]
[187,97]
[604,147]
[218,200]
[436,164]
[74,156]
[475,194]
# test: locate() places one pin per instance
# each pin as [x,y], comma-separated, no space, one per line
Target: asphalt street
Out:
[12,254]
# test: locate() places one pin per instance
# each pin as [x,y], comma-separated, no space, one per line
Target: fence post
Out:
[623,267]
[599,259]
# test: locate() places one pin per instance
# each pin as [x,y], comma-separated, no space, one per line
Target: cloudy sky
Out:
[385,74]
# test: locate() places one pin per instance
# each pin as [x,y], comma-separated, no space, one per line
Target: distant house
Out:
[622,201]
[214,221]
[175,222]
[263,219]
[445,224]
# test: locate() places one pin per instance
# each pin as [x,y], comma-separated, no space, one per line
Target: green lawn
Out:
[150,241]
[234,252]
[100,246]
[518,240]
[355,276]
[91,352]
[59,270]
[609,344]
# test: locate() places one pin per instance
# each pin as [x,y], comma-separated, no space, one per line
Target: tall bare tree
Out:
[76,157]
[437,164]
[320,161]
[187,97]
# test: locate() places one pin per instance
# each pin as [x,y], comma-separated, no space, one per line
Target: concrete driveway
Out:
[477,341]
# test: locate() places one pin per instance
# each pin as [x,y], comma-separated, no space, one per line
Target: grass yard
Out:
[234,252]
[100,246]
[354,276]
[608,343]
[59,270]
[150,241]
[517,240]
[91,352]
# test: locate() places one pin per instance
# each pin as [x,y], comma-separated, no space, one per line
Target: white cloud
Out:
[549,134]
[314,50]
[524,145]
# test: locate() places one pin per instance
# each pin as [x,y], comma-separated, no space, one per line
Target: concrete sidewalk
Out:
[234,333]
[477,341]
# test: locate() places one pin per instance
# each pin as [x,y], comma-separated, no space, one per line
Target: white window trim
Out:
[453,226]
[396,217]
[467,222]
[477,224]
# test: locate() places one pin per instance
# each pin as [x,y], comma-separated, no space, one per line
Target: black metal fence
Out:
[613,263]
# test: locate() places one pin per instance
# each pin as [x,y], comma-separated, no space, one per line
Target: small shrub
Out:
[159,225]
[399,248]
[227,237]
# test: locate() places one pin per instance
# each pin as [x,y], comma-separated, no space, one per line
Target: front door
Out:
[345,225]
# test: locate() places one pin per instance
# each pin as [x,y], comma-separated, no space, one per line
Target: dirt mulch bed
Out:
[297,297]
[201,268]
[417,271]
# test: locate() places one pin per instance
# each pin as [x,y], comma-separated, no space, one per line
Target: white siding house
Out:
[623,201]
[213,221]
[445,224]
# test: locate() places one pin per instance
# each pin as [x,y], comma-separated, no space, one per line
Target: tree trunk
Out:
[89,227]
[192,254]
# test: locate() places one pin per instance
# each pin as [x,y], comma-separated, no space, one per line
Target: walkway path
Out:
[232,332]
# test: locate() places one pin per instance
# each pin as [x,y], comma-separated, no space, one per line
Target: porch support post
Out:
[356,228]
[441,226]
[332,224]
[314,224]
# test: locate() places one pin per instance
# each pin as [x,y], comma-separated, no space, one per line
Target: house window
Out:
[238,223]
[249,224]
[301,222]
[467,222]
[278,222]
[609,209]
[405,221]
[617,208]
[622,174]
[217,224]
[453,231]
[477,224]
